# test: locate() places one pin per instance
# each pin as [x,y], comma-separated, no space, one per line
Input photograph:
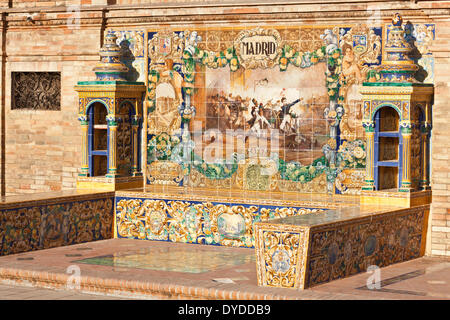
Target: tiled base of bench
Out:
[299,256]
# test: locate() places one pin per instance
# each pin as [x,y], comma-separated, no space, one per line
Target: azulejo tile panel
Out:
[302,256]
[281,256]
[44,226]
[214,223]
[350,248]
[299,80]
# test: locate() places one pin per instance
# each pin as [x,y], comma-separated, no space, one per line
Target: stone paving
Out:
[14,292]
[136,269]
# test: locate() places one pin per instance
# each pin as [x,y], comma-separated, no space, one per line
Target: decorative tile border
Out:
[237,198]
[202,222]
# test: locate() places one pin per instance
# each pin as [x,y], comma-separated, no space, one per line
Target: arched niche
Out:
[98,136]
[124,115]
[387,148]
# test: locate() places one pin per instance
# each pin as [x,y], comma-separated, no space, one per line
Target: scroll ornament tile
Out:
[281,250]
[281,254]
[195,222]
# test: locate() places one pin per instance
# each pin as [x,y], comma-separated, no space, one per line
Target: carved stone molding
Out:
[112,19]
[318,16]
[56,22]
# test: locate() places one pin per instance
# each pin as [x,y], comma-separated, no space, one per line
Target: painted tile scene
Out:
[266,109]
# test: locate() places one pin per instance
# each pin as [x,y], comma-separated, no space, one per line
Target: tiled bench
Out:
[307,250]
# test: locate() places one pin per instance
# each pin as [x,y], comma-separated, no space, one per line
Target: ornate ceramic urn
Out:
[397,65]
[110,67]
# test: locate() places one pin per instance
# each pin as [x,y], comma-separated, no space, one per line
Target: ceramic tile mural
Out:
[41,226]
[132,52]
[201,222]
[271,109]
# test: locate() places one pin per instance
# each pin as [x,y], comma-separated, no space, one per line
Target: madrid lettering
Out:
[258,48]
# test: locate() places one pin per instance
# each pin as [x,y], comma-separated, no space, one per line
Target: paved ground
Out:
[11,292]
[135,269]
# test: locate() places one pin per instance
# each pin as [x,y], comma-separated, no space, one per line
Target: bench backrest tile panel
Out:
[202,222]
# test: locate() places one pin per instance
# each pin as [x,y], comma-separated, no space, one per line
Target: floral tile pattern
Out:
[195,221]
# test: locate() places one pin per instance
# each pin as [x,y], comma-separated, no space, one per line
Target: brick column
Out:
[3,101]
[438,243]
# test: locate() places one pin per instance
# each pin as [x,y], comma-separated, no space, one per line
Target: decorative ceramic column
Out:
[425,135]
[406,156]
[135,121]
[110,87]
[370,135]
[84,145]
[112,146]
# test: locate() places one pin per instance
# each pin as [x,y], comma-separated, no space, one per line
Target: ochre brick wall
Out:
[439,229]
[43,148]
[49,3]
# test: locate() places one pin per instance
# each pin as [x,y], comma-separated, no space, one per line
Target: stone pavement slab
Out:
[137,269]
[15,292]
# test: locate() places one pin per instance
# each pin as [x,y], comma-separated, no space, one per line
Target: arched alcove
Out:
[124,139]
[97,139]
[387,148]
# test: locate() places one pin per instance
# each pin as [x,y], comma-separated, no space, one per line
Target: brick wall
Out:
[439,229]
[49,3]
[43,147]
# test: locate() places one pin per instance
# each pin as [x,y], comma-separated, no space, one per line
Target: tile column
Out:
[370,159]
[406,156]
[84,146]
[425,135]
[112,146]
[135,121]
